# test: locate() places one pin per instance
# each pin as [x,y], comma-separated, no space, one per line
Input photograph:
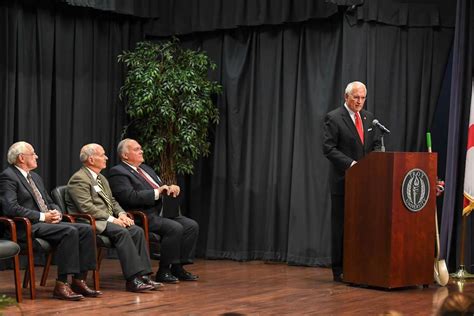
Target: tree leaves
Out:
[169,97]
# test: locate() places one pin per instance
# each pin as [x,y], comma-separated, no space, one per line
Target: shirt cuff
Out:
[42,217]
[157,194]
[110,219]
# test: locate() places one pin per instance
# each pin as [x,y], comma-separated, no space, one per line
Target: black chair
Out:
[103,242]
[43,245]
[153,239]
[170,208]
[10,249]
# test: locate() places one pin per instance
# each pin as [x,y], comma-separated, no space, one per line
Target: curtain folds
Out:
[269,197]
[171,17]
[263,192]
[59,82]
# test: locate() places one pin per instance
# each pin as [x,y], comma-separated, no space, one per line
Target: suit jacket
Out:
[82,197]
[132,191]
[17,197]
[342,145]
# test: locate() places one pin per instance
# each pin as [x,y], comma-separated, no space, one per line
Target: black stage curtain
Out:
[183,16]
[138,8]
[267,179]
[457,131]
[59,81]
[263,193]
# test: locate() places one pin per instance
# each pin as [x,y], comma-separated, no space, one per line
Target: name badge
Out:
[97,188]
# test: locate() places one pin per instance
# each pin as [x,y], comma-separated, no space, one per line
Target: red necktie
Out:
[140,172]
[359,127]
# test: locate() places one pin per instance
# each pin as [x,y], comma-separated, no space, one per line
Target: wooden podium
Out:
[385,243]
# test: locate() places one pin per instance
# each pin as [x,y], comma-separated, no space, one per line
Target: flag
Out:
[469,171]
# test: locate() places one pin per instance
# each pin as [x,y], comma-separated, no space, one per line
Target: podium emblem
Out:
[415,190]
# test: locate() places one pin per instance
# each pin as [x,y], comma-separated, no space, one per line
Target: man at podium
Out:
[348,136]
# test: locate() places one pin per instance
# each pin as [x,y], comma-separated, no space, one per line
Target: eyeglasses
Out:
[32,154]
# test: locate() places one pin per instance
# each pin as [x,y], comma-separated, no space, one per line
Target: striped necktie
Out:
[38,197]
[106,197]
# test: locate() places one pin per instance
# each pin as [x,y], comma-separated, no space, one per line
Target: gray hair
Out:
[15,150]
[122,147]
[87,151]
[354,84]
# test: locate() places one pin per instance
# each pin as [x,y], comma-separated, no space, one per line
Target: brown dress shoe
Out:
[62,291]
[137,285]
[80,287]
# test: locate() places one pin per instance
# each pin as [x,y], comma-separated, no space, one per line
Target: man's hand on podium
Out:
[439,187]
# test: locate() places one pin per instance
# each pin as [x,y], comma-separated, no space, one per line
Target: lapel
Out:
[350,124]
[23,180]
[363,117]
[94,184]
[134,173]
[152,174]
[139,177]
[27,185]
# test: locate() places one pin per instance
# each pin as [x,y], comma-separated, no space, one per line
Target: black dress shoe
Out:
[337,278]
[156,285]
[166,277]
[137,285]
[184,275]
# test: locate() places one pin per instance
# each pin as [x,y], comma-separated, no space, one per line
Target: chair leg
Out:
[95,275]
[16,268]
[44,277]
[100,256]
[26,278]
[31,271]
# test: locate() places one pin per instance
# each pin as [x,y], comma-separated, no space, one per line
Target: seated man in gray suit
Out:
[89,192]
[23,194]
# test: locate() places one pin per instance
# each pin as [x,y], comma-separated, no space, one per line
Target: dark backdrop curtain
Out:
[460,101]
[263,193]
[59,81]
[269,197]
[173,17]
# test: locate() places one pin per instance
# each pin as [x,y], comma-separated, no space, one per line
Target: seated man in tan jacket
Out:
[89,192]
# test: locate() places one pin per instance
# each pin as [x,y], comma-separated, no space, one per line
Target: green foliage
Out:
[6,301]
[169,99]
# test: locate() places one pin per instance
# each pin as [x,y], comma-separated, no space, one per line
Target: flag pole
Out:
[468,192]
[462,273]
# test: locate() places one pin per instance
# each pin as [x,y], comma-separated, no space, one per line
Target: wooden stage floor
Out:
[254,288]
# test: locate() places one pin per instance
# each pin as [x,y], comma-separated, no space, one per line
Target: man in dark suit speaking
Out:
[348,136]
[23,194]
[136,185]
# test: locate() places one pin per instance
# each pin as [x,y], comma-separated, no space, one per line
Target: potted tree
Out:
[169,101]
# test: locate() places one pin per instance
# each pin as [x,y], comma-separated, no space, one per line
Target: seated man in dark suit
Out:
[89,192]
[136,185]
[23,194]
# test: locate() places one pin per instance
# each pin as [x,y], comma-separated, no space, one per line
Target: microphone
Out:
[376,122]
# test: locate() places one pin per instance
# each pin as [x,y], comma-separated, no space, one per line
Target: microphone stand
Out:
[382,147]
[383,131]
